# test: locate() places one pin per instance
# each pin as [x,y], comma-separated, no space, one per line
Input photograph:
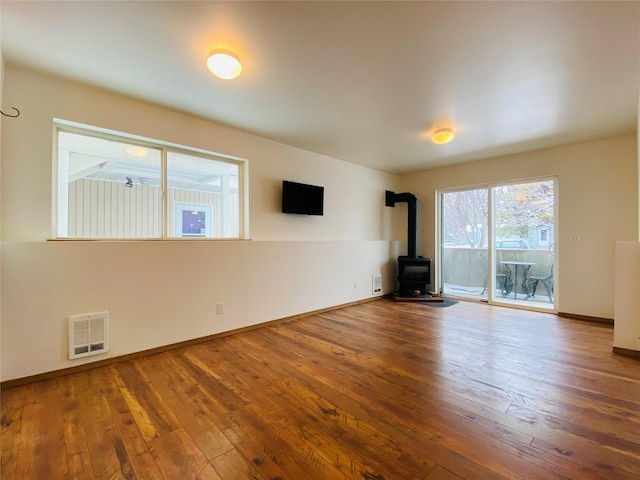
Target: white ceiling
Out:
[364,82]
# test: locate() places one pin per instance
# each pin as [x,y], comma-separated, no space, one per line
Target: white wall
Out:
[626,333]
[597,198]
[627,300]
[162,292]
[158,293]
[1,122]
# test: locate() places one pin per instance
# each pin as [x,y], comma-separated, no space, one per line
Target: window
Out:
[112,186]
[544,236]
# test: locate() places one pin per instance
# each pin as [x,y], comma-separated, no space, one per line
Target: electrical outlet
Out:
[355,284]
[220,308]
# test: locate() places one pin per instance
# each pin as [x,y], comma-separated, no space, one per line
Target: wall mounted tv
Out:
[302,199]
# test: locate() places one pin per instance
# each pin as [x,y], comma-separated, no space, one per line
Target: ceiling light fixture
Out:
[224,64]
[137,151]
[442,135]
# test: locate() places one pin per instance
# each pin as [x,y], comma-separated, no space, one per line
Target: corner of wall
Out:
[1,143]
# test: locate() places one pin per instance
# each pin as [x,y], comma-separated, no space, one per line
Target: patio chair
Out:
[547,281]
[501,278]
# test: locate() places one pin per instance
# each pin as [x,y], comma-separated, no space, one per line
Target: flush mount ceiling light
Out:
[224,64]
[442,135]
[137,151]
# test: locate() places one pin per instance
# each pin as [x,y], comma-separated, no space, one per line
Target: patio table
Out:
[512,277]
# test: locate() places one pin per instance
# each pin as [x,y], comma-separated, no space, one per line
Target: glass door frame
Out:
[492,297]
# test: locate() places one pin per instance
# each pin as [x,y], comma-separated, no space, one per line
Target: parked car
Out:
[512,243]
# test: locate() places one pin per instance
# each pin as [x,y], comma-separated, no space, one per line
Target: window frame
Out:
[60,125]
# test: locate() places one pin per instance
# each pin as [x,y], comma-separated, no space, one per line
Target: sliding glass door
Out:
[464,225]
[523,240]
[497,243]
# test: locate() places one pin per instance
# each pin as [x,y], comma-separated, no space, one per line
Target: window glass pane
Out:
[464,225]
[523,237]
[203,197]
[107,188]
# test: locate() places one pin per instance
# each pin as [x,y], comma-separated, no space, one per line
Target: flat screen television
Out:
[302,199]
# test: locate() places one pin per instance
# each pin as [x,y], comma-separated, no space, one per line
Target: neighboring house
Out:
[541,236]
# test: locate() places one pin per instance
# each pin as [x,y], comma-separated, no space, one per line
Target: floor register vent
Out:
[88,334]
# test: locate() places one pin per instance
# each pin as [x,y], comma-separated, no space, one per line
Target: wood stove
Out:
[414,271]
[414,274]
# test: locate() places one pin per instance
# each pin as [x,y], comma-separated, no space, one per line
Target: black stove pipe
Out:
[390,200]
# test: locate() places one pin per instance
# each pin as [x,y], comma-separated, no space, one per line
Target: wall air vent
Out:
[377,284]
[88,334]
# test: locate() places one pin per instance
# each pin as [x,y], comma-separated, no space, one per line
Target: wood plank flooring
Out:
[376,391]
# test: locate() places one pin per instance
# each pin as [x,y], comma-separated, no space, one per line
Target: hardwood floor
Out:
[376,391]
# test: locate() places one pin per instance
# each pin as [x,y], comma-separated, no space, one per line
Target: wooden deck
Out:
[376,391]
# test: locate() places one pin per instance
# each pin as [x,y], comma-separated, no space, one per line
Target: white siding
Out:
[100,209]
[110,210]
